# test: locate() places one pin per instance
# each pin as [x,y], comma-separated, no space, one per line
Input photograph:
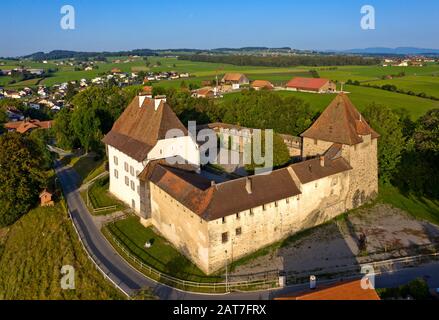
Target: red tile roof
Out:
[27,125]
[351,290]
[262,84]
[307,83]
[340,123]
[233,76]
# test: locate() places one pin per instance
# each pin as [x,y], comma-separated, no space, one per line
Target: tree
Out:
[3,120]
[419,170]
[262,109]
[43,137]
[70,92]
[63,128]
[21,176]
[86,125]
[391,143]
[281,155]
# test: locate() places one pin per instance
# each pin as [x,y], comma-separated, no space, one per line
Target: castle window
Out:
[126,167]
[315,141]
[116,161]
[116,174]
[276,204]
[224,220]
[238,216]
[133,187]
[225,237]
[132,170]
[127,181]
[287,200]
[133,203]
[251,212]
[238,231]
[264,207]
[316,185]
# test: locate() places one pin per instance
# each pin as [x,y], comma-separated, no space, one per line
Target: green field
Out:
[362,97]
[33,252]
[417,84]
[417,79]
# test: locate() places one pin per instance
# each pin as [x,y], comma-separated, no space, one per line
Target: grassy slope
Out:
[37,246]
[419,207]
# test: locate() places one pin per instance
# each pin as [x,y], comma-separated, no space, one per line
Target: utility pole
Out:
[227,279]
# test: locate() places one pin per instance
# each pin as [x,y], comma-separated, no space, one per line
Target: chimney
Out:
[322,161]
[141,100]
[248,185]
[158,100]
[312,282]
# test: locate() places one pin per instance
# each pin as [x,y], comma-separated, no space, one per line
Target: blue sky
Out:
[34,25]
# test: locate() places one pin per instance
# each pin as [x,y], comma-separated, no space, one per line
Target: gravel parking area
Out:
[387,233]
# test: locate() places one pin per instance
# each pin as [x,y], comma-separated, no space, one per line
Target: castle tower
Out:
[342,124]
[141,136]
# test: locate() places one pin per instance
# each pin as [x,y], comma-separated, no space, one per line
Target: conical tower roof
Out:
[340,123]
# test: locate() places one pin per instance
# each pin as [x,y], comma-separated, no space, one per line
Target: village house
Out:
[315,85]
[12,94]
[26,126]
[215,222]
[262,84]
[235,80]
[206,92]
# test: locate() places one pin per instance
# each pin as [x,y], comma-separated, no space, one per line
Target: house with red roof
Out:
[27,125]
[318,85]
[262,84]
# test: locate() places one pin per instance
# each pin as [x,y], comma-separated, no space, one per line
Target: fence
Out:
[91,205]
[268,280]
[380,267]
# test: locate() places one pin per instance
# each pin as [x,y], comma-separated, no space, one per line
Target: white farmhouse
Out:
[139,136]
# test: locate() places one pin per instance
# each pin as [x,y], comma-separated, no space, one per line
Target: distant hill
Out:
[394,51]
[65,54]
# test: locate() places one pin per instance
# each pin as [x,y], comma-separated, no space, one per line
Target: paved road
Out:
[130,280]
[116,268]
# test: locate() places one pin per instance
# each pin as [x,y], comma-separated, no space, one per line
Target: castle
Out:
[212,222]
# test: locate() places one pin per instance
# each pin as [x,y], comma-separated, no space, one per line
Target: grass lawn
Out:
[85,166]
[95,172]
[35,249]
[419,207]
[162,256]
[99,197]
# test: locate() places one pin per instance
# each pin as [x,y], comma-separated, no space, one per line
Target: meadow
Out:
[417,79]
[33,251]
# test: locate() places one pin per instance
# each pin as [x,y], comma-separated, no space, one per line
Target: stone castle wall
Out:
[363,158]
